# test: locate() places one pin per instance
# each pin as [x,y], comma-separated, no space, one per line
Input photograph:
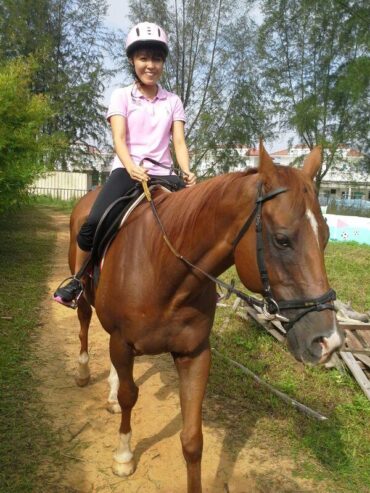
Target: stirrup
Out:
[73,303]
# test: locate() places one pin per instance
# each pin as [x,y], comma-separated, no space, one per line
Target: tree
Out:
[315,62]
[24,148]
[69,41]
[209,67]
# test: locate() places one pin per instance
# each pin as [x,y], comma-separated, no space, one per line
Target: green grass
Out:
[29,454]
[48,202]
[348,267]
[336,453]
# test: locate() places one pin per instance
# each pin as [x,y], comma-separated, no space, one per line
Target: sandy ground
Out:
[90,433]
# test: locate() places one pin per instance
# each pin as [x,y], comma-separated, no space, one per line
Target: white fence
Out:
[63,185]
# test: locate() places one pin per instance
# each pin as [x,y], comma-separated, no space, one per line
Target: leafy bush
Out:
[24,147]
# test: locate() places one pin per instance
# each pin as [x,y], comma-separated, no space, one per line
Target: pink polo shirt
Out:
[148,125]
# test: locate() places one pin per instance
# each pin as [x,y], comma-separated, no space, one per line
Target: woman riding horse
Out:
[143,117]
[266,221]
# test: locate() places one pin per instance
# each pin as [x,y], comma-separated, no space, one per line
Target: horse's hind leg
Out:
[193,373]
[84,313]
[123,361]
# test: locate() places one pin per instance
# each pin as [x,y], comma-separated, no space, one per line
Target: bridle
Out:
[269,305]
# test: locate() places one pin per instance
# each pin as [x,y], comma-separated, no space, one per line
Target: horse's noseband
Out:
[270,307]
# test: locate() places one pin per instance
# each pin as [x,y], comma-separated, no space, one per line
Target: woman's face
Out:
[148,66]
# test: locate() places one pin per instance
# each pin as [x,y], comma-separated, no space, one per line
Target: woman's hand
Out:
[190,178]
[138,173]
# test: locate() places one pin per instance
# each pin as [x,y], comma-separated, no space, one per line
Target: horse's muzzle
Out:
[314,346]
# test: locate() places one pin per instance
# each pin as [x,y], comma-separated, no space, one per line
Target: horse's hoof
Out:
[82,382]
[113,407]
[123,469]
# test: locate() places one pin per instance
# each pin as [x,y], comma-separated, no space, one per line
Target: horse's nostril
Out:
[318,340]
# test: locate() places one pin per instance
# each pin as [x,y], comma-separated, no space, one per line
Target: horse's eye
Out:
[282,241]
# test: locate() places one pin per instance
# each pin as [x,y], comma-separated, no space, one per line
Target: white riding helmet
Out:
[146,34]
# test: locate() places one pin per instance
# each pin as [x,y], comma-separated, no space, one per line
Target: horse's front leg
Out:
[193,372]
[84,313]
[123,361]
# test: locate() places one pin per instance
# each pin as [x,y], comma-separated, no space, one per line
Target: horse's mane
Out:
[180,211]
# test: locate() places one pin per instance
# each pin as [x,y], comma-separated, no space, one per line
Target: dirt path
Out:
[90,432]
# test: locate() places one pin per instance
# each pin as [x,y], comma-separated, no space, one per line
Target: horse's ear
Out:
[266,165]
[312,163]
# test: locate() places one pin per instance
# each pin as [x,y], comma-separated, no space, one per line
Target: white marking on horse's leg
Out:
[83,370]
[311,217]
[123,453]
[113,405]
[123,464]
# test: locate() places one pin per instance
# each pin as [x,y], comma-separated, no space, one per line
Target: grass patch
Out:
[29,453]
[48,202]
[334,454]
[348,268]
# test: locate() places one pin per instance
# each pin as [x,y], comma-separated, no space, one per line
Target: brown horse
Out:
[151,302]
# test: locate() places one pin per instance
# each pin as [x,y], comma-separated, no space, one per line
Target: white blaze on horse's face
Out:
[312,219]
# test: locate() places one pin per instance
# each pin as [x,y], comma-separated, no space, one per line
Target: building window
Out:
[356,194]
[333,191]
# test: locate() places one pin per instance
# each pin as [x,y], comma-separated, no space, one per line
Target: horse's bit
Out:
[270,307]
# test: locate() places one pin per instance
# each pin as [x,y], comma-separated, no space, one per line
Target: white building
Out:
[89,158]
[345,179]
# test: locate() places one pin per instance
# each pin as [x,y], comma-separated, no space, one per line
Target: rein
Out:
[270,307]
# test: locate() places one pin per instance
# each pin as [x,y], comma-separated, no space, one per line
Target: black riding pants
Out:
[117,185]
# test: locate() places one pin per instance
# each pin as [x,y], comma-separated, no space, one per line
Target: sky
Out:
[118,14]
[118,19]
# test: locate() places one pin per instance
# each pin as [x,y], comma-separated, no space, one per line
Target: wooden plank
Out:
[356,371]
[365,335]
[353,325]
[356,350]
[361,339]
[254,315]
[363,358]
[352,341]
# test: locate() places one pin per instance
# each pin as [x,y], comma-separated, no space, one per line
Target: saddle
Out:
[117,213]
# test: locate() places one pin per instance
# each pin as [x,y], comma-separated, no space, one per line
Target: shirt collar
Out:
[161,94]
